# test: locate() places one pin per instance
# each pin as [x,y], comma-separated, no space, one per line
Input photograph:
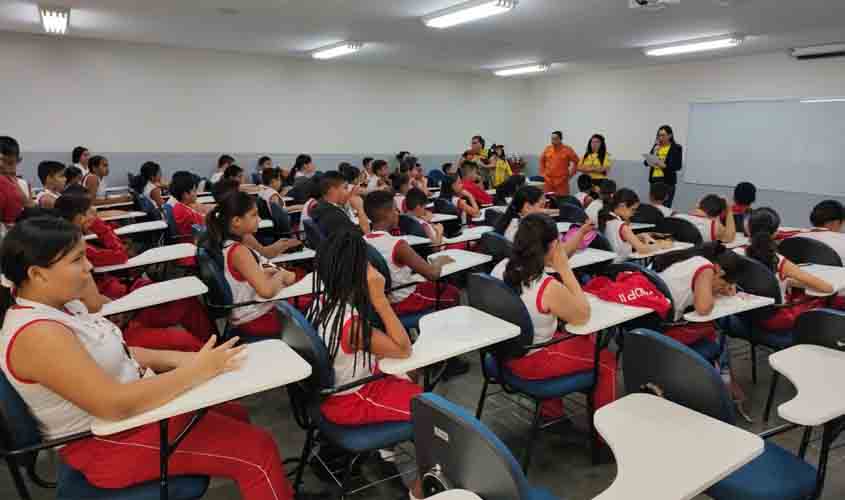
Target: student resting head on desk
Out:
[508,189]
[71,366]
[695,277]
[548,300]
[708,216]
[351,288]
[249,275]
[452,190]
[763,224]
[52,176]
[614,223]
[403,261]
[182,325]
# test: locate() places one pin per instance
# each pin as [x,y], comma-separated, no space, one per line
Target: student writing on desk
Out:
[70,366]
[350,288]
[548,301]
[614,223]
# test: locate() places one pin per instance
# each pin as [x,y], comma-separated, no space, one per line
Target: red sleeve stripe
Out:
[229,263]
[699,271]
[345,333]
[540,294]
[713,224]
[781,264]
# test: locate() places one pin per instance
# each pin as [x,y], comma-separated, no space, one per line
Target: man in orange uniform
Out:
[558,163]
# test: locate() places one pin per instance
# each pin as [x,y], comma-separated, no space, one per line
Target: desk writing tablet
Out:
[677,245]
[817,373]
[605,314]
[116,204]
[154,256]
[468,234]
[832,274]
[739,241]
[727,306]
[268,364]
[455,495]
[665,451]
[463,260]
[141,227]
[113,215]
[305,286]
[438,218]
[265,224]
[156,294]
[304,254]
[590,256]
[415,240]
[449,333]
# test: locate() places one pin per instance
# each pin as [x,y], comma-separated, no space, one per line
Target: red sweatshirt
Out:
[477,192]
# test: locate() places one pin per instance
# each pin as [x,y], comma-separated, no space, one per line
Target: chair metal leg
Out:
[771,398]
[17,477]
[593,435]
[535,430]
[347,473]
[303,461]
[480,407]
[805,442]
[753,363]
[827,440]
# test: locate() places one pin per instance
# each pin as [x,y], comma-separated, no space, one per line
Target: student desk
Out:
[438,218]
[156,294]
[483,215]
[117,189]
[300,288]
[455,495]
[468,234]
[590,256]
[154,256]
[727,306]
[739,241]
[206,200]
[604,315]
[665,451]
[832,274]
[415,240]
[265,224]
[463,260]
[141,227]
[449,333]
[817,373]
[267,365]
[303,254]
[117,204]
[677,245]
[113,215]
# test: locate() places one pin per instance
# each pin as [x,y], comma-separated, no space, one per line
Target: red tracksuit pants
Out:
[567,358]
[156,327]
[424,298]
[222,444]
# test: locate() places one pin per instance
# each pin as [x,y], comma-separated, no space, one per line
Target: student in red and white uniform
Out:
[614,223]
[452,190]
[763,224]
[606,190]
[403,261]
[380,180]
[350,287]
[95,180]
[401,186]
[708,219]
[248,275]
[415,203]
[271,179]
[658,193]
[418,179]
[828,218]
[52,176]
[527,200]
[695,277]
[548,301]
[180,325]
[150,184]
[586,193]
[70,366]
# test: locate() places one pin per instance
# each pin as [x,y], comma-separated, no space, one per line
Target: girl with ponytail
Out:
[249,275]
[148,183]
[763,224]
[71,366]
[606,190]
[549,301]
[614,222]
[351,290]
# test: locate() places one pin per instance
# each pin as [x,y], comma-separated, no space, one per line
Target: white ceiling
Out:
[583,34]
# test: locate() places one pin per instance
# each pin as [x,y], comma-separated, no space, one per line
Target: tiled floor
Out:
[560,463]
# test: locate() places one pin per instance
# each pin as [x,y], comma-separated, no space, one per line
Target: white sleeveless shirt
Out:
[544,322]
[510,231]
[613,233]
[102,339]
[42,194]
[387,244]
[306,209]
[593,210]
[242,291]
[680,278]
[349,366]
[707,227]
[148,190]
[101,188]
[267,194]
[581,197]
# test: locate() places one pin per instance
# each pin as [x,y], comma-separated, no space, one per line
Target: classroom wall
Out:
[628,105]
[136,102]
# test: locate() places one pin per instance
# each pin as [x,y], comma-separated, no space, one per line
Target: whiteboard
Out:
[783,145]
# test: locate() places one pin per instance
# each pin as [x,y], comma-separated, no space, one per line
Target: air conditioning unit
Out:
[651,5]
[819,51]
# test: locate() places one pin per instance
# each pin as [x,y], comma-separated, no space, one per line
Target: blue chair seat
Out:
[708,349]
[361,438]
[775,475]
[541,494]
[542,389]
[775,339]
[73,486]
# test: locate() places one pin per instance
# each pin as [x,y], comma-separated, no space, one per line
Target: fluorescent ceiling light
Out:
[337,50]
[816,50]
[55,19]
[817,101]
[468,12]
[701,46]
[522,70]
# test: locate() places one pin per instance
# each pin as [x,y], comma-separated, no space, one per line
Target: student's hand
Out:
[427,216]
[560,261]
[357,204]
[664,244]
[212,361]
[586,228]
[438,228]
[442,260]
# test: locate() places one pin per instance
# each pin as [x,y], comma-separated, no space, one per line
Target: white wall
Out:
[627,106]
[117,97]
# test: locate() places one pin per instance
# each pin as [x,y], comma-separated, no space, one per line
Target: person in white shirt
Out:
[222,164]
[707,218]
[828,218]
[79,159]
[52,176]
[614,223]
[380,180]
[658,194]
[606,190]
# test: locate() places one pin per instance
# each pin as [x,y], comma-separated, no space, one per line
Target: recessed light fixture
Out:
[522,70]
[337,50]
[55,19]
[468,12]
[695,46]
[818,101]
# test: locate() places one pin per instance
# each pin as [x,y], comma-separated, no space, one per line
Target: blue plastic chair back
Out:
[469,456]
[314,236]
[409,225]
[496,298]
[256,178]
[172,232]
[305,340]
[18,428]
[436,176]
[537,178]
[212,275]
